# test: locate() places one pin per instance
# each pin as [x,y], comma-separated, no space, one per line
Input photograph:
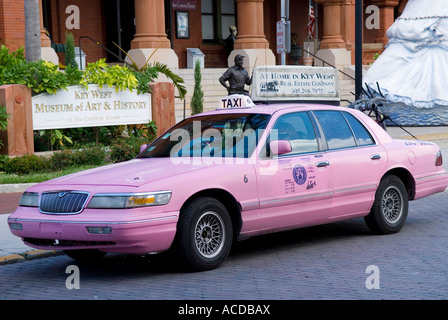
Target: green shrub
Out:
[70,59]
[25,164]
[90,154]
[126,148]
[3,160]
[61,160]
[4,116]
[197,100]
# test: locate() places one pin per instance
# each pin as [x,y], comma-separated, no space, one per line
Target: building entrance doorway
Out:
[120,27]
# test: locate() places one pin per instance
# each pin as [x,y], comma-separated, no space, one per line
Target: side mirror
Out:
[279,147]
[143,147]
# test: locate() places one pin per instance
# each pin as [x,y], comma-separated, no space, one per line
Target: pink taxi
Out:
[229,174]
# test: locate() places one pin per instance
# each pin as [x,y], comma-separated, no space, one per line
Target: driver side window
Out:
[298,130]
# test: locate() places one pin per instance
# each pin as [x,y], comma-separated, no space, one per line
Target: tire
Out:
[85,254]
[204,234]
[390,209]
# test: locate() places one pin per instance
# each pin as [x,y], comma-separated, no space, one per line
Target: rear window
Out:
[342,130]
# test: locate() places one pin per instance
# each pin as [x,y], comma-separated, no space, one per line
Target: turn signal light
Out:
[99,230]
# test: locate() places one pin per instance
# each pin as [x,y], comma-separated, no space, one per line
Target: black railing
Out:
[325,62]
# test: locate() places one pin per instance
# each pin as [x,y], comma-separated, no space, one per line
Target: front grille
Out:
[62,202]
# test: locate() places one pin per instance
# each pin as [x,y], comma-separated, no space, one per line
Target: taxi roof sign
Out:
[235,101]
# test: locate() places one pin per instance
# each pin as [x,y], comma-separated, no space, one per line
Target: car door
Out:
[357,162]
[294,188]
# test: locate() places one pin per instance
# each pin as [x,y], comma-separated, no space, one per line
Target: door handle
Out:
[322,164]
[375,156]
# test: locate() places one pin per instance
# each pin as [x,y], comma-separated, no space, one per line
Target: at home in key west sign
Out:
[95,106]
[295,83]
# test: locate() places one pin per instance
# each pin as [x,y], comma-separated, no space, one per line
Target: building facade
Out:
[169,27]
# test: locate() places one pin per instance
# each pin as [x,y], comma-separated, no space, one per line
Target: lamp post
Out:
[358,49]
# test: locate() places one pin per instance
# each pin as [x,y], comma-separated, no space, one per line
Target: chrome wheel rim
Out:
[392,205]
[209,234]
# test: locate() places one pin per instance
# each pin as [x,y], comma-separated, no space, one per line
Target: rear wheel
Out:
[204,234]
[390,209]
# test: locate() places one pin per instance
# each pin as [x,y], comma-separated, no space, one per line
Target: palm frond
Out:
[177,80]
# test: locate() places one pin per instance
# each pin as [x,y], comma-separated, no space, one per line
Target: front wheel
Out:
[204,234]
[390,209]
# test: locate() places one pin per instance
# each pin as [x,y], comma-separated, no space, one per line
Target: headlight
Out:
[129,200]
[29,199]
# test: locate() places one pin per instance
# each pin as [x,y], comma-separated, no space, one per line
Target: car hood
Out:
[133,173]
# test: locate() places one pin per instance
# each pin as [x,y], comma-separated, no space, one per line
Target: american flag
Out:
[311,20]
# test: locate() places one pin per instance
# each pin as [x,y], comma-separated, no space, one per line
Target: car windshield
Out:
[218,135]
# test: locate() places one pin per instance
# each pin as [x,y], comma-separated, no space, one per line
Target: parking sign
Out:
[280,37]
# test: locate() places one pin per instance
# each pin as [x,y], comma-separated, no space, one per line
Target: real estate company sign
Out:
[295,83]
[92,107]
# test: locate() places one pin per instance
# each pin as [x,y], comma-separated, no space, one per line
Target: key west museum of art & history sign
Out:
[91,107]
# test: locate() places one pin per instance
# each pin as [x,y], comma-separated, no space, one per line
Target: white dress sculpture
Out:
[412,72]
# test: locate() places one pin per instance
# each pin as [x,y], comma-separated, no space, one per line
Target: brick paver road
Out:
[9,202]
[325,262]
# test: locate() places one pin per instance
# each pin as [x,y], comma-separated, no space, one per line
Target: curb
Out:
[15,187]
[29,255]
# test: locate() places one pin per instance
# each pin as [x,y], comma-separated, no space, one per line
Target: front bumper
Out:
[134,231]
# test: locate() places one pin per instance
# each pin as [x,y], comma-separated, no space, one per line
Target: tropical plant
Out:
[101,73]
[56,138]
[148,131]
[150,71]
[40,76]
[197,99]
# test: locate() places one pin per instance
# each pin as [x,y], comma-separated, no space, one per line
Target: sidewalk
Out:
[12,249]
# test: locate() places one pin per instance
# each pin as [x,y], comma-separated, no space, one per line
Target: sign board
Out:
[280,37]
[78,107]
[183,4]
[295,83]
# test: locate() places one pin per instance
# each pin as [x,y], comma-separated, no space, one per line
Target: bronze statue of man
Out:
[237,77]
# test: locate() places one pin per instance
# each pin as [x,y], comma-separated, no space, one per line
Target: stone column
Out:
[332,35]
[348,22]
[333,48]
[150,37]
[47,52]
[386,18]
[251,41]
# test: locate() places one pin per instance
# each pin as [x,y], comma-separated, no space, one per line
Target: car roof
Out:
[273,108]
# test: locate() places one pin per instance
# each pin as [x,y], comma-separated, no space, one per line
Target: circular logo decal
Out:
[299,174]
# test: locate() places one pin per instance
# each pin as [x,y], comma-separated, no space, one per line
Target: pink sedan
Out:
[231,174]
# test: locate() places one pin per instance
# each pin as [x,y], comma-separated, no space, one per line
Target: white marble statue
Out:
[412,71]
